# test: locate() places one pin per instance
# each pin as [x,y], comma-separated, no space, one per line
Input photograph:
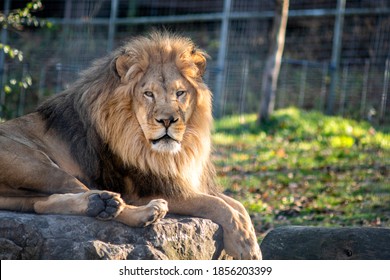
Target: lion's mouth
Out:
[166,137]
[166,144]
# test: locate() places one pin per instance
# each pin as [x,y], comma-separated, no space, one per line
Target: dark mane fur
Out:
[68,114]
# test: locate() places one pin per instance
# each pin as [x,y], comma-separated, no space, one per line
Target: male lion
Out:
[134,129]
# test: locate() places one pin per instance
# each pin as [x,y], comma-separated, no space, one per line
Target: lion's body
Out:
[137,123]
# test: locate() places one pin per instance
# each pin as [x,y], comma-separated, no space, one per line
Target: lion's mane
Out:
[95,117]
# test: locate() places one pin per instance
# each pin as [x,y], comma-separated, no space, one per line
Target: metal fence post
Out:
[59,78]
[302,87]
[244,88]
[112,25]
[221,71]
[325,68]
[336,52]
[386,82]
[363,99]
[344,90]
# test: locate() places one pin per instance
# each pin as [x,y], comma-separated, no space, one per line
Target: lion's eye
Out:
[149,94]
[180,93]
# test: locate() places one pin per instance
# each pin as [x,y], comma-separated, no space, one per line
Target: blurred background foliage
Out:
[305,168]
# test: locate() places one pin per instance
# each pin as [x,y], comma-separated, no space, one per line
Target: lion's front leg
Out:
[103,205]
[239,237]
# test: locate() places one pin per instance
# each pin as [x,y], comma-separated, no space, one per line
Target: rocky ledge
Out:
[30,236]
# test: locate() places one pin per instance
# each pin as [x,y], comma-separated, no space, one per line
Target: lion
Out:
[130,138]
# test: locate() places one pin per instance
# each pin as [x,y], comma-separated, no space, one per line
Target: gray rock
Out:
[30,236]
[320,243]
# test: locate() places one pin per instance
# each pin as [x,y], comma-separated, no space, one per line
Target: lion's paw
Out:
[155,210]
[240,239]
[104,205]
[244,250]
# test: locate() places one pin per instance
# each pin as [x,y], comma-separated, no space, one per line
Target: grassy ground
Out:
[305,169]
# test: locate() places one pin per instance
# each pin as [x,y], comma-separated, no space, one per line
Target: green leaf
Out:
[7,89]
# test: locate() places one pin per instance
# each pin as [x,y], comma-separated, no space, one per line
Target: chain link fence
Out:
[236,35]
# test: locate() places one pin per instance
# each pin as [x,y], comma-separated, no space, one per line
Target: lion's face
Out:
[156,115]
[163,102]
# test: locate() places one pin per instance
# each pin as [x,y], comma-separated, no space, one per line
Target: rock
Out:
[31,236]
[319,243]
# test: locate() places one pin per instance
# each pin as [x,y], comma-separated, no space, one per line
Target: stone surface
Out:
[319,243]
[30,236]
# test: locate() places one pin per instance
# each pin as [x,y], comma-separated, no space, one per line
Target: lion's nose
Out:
[167,122]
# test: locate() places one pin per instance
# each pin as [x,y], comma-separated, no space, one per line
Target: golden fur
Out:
[129,139]
[118,125]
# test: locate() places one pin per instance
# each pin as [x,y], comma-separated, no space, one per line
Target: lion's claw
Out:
[157,209]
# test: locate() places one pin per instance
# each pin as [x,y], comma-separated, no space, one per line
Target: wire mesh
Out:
[85,30]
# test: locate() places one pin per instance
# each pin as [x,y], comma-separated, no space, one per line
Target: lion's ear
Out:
[121,65]
[199,58]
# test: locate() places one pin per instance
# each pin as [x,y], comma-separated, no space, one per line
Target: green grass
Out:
[305,168]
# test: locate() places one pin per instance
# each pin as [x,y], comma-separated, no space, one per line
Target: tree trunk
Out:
[272,66]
